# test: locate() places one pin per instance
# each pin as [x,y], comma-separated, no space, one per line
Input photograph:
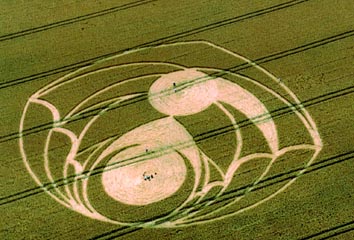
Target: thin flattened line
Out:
[155,42]
[73,20]
[338,233]
[332,231]
[296,50]
[233,20]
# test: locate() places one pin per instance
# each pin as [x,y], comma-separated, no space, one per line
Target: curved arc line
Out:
[70,158]
[77,178]
[191,223]
[231,170]
[81,136]
[56,119]
[242,160]
[46,165]
[259,202]
[71,113]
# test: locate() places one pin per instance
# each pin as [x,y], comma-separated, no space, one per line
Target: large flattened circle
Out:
[145,180]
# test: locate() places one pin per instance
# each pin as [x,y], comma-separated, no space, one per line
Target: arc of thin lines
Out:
[242,160]
[74,140]
[86,204]
[74,148]
[79,139]
[85,181]
[56,119]
[230,172]
[82,134]
[94,107]
[232,167]
[24,157]
[237,153]
[96,147]
[56,116]
[77,177]
[281,152]
[206,185]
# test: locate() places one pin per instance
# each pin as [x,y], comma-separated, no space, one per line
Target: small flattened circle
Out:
[183,92]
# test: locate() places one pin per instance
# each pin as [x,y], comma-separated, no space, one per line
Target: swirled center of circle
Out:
[145,180]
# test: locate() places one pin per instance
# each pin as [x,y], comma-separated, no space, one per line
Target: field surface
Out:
[161,119]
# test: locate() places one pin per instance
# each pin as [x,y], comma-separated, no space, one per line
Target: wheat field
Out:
[160,119]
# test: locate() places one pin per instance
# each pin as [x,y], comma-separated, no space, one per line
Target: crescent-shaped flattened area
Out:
[248,104]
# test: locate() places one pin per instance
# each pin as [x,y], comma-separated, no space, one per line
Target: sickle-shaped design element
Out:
[245,102]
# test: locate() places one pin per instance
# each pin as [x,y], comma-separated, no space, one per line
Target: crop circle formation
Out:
[113,142]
